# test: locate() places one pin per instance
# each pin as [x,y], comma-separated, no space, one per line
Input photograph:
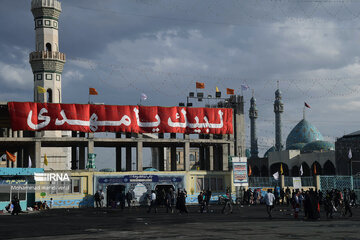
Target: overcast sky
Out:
[162,47]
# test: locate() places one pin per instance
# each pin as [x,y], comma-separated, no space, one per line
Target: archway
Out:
[276,168]
[316,169]
[329,168]
[48,47]
[295,171]
[305,168]
[49,96]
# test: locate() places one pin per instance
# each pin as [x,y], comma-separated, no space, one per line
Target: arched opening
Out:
[295,171]
[264,171]
[316,169]
[305,169]
[255,171]
[276,168]
[49,96]
[329,168]
[48,47]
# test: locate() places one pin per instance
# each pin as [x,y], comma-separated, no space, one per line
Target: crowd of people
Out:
[14,207]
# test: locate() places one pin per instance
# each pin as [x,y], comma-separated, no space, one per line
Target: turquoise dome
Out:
[318,146]
[297,146]
[272,149]
[247,153]
[303,132]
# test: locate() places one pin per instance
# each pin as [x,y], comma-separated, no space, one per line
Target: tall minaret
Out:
[253,115]
[278,109]
[47,62]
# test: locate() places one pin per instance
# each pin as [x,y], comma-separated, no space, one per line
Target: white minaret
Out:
[47,62]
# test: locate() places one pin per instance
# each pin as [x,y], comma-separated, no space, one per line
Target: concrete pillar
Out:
[118,155]
[202,157]
[37,154]
[211,158]
[225,158]
[139,156]
[187,152]
[161,159]
[10,132]
[21,134]
[282,181]
[317,182]
[82,156]
[173,158]
[128,158]
[15,134]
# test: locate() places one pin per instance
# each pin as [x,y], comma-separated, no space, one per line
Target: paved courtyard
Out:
[245,223]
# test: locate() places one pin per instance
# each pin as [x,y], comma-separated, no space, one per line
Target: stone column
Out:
[211,158]
[37,154]
[187,152]
[139,155]
[118,155]
[173,158]
[225,158]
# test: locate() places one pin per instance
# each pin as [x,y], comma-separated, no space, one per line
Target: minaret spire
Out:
[253,115]
[278,109]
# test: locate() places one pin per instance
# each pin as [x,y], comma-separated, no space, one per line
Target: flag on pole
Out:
[200,85]
[217,89]
[307,105]
[230,91]
[276,176]
[3,157]
[281,169]
[45,160]
[350,154]
[10,157]
[250,172]
[244,87]
[143,96]
[41,89]
[29,163]
[92,91]
[301,170]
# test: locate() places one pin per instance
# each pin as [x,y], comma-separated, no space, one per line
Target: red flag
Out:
[92,91]
[200,85]
[230,91]
[10,157]
[314,169]
[307,105]
[250,172]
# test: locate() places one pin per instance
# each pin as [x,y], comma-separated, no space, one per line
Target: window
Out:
[39,23]
[55,24]
[76,186]
[47,22]
[48,47]
[49,96]
[215,184]
[39,76]
[48,76]
[57,77]
[192,157]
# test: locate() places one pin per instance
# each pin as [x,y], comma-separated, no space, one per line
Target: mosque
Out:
[305,148]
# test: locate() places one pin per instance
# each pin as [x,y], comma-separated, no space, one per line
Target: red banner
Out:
[33,116]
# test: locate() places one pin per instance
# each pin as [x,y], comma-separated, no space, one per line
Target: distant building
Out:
[343,162]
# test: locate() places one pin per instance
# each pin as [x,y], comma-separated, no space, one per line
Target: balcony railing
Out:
[47,55]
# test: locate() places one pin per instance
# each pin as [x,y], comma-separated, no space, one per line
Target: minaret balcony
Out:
[45,55]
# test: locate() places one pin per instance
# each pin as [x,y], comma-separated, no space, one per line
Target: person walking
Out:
[228,201]
[201,202]
[168,201]
[269,200]
[97,199]
[16,206]
[152,202]
[129,197]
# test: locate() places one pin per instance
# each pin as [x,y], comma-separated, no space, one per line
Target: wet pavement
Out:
[248,222]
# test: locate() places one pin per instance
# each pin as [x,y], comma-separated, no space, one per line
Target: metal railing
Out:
[47,55]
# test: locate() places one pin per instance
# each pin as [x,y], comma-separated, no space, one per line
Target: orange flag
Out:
[200,85]
[250,172]
[314,169]
[230,91]
[10,157]
[92,91]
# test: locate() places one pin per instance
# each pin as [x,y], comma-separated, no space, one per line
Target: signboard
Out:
[240,173]
[297,182]
[33,116]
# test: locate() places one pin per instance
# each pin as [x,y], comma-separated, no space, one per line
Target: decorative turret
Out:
[278,109]
[47,62]
[253,115]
